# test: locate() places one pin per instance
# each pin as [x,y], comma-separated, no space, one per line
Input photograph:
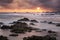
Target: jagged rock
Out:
[47,37]
[13,35]
[24,19]
[3,38]
[34,21]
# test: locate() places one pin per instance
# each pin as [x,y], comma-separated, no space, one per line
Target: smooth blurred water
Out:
[10,17]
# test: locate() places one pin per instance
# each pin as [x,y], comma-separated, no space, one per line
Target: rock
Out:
[13,35]
[13,22]
[34,21]
[44,29]
[3,38]
[5,27]
[1,23]
[32,24]
[24,19]
[51,31]
[38,30]
[57,24]
[20,28]
[47,37]
[49,22]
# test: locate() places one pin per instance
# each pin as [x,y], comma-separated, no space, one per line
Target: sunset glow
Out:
[29,5]
[38,9]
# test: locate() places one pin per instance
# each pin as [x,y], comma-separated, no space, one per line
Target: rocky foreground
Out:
[20,27]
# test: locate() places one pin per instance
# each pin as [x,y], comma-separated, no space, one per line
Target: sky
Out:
[31,5]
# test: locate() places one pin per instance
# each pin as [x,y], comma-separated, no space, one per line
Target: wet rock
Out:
[1,23]
[20,28]
[58,25]
[13,35]
[34,21]
[32,24]
[3,38]
[44,29]
[17,31]
[49,22]
[5,27]
[38,30]
[47,37]
[51,31]
[24,19]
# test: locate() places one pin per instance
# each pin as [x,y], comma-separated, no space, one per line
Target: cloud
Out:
[53,4]
[5,3]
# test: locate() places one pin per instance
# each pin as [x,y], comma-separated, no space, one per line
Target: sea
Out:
[9,17]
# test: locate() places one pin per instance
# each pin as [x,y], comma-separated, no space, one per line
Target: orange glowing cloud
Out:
[37,9]
[28,5]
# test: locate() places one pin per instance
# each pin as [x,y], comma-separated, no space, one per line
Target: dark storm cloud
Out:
[5,3]
[54,4]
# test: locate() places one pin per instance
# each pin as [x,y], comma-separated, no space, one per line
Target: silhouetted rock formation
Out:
[49,22]
[13,35]
[24,19]
[32,24]
[51,31]
[20,27]
[34,21]
[58,25]
[5,27]
[47,37]
[3,38]
[1,23]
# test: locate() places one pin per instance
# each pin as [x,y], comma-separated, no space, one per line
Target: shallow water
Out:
[7,18]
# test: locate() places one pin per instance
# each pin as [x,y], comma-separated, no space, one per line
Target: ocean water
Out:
[10,17]
[7,18]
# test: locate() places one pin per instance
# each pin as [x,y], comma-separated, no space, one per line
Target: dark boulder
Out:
[49,22]
[58,24]
[3,38]
[34,21]
[32,24]
[5,27]
[24,19]
[13,35]
[47,37]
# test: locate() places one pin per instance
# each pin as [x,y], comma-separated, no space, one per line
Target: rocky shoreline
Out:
[19,27]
